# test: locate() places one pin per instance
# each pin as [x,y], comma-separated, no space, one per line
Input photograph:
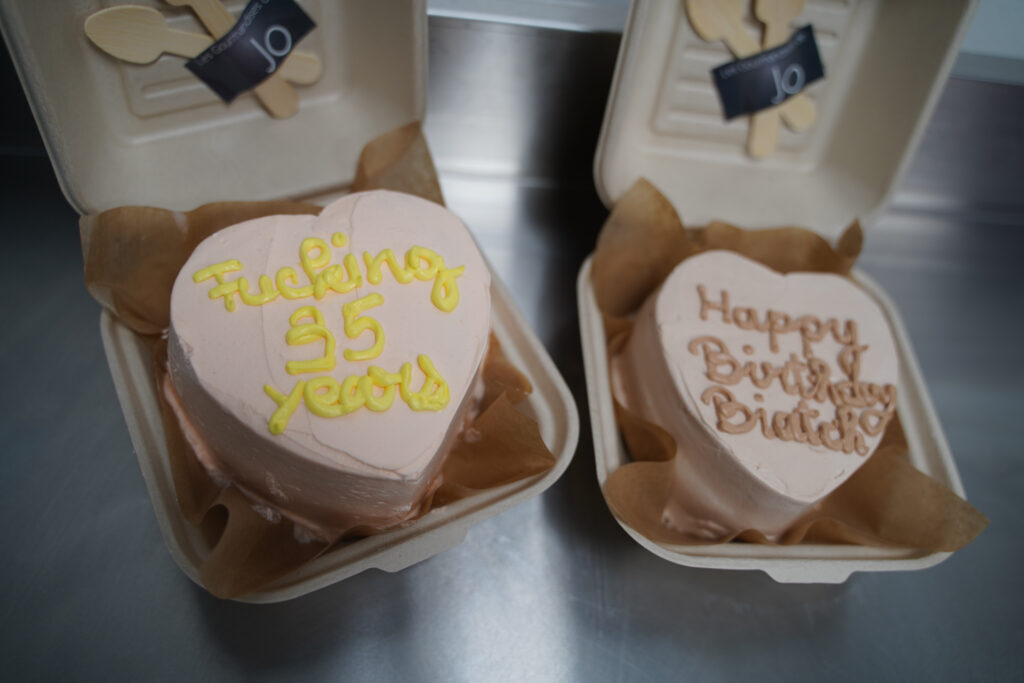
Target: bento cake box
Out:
[124,134]
[885,65]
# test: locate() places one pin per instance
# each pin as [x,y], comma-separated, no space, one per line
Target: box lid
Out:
[121,133]
[885,65]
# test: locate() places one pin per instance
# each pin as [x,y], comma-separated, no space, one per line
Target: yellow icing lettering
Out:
[309,263]
[323,404]
[420,263]
[341,399]
[377,404]
[266,293]
[374,263]
[445,293]
[356,324]
[286,405]
[339,279]
[350,398]
[325,279]
[382,377]
[354,278]
[216,271]
[222,289]
[324,397]
[415,258]
[225,290]
[305,334]
[433,395]
[287,291]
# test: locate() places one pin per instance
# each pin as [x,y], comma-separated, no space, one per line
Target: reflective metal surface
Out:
[553,589]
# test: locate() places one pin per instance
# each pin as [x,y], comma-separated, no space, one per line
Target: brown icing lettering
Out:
[706,305]
[781,426]
[806,427]
[840,434]
[811,329]
[861,408]
[726,407]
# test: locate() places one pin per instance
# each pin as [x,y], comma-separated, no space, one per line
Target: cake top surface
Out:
[351,337]
[794,375]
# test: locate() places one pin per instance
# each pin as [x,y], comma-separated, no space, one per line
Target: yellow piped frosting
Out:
[363,443]
[222,289]
[421,264]
[356,324]
[307,333]
[287,291]
[266,294]
[311,264]
[323,396]
[373,264]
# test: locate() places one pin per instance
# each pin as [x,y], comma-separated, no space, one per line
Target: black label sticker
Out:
[252,50]
[769,78]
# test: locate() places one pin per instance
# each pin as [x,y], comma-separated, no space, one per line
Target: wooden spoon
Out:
[139,35]
[276,96]
[775,15]
[716,20]
[723,20]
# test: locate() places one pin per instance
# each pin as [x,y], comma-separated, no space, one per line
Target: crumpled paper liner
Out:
[132,256]
[887,502]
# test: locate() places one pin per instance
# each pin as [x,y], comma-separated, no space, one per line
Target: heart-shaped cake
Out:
[776,388]
[326,364]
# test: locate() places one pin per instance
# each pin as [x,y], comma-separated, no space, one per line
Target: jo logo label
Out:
[788,82]
[253,49]
[768,78]
[266,48]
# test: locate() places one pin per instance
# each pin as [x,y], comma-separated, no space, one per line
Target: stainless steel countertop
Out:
[553,589]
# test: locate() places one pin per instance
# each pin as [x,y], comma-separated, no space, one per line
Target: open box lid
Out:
[885,65]
[120,133]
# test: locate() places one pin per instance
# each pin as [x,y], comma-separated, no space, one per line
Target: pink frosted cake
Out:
[776,388]
[325,365]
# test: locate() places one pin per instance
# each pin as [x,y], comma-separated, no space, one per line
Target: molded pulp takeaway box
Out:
[124,134]
[885,65]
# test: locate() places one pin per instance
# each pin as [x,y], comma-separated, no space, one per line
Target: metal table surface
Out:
[552,589]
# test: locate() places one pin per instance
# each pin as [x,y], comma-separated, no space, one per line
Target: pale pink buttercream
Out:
[725,483]
[362,469]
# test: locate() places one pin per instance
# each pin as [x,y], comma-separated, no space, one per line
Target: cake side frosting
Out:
[328,362]
[776,388]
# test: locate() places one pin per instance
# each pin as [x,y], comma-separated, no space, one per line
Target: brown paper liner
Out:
[399,159]
[132,253]
[887,502]
[132,256]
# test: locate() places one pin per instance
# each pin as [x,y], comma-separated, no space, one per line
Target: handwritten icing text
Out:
[860,407]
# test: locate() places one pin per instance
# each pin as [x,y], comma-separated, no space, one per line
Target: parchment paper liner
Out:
[887,502]
[132,256]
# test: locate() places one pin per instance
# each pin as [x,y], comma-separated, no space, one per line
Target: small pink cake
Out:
[776,388]
[325,365]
